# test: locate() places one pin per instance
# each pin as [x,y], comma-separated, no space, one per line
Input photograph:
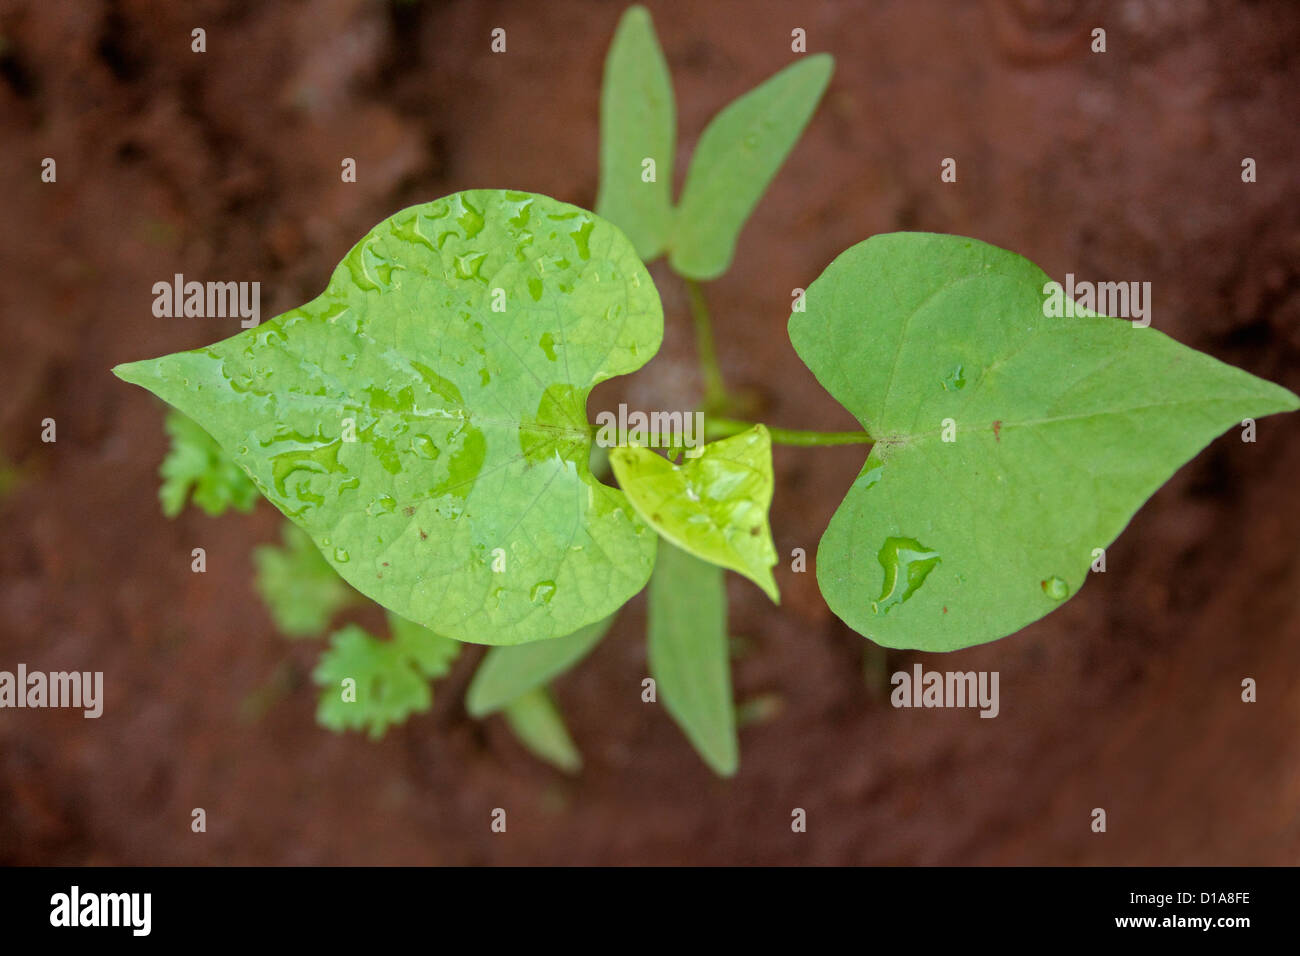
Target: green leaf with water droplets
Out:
[389,680]
[297,584]
[689,654]
[1063,427]
[425,420]
[638,122]
[738,155]
[537,723]
[714,506]
[195,463]
[509,672]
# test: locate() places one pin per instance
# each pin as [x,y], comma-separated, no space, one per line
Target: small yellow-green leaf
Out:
[713,506]
[638,128]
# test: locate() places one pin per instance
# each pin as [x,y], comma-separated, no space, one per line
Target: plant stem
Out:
[715,392]
[722,427]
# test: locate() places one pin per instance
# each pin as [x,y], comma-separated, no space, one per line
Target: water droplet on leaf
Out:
[907,564]
[1056,588]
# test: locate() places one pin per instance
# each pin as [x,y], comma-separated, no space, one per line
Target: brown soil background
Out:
[225,165]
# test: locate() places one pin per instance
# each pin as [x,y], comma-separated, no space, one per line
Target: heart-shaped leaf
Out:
[714,506]
[1009,444]
[424,419]
[638,122]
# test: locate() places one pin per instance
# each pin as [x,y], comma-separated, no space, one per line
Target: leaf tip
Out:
[825,63]
[131,372]
[725,765]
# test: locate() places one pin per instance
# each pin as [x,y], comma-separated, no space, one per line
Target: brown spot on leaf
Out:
[409,510]
[423,534]
[997,428]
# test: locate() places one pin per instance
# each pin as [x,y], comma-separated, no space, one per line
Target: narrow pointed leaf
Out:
[688,653]
[1063,427]
[424,419]
[738,154]
[714,506]
[539,726]
[638,122]
[509,672]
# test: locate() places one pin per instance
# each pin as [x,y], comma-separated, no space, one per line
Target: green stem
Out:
[722,427]
[715,392]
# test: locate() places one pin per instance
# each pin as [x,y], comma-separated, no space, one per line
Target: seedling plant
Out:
[423,426]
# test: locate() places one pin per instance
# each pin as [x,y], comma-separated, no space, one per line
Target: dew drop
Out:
[870,478]
[424,447]
[1056,588]
[956,380]
[907,564]
[542,592]
[341,556]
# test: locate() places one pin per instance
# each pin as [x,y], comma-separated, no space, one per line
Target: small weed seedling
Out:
[423,425]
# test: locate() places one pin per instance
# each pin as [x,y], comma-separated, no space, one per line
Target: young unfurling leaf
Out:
[713,506]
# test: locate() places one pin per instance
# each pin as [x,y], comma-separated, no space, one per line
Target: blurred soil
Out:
[225,165]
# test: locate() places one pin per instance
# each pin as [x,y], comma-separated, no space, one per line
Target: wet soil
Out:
[1123,165]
